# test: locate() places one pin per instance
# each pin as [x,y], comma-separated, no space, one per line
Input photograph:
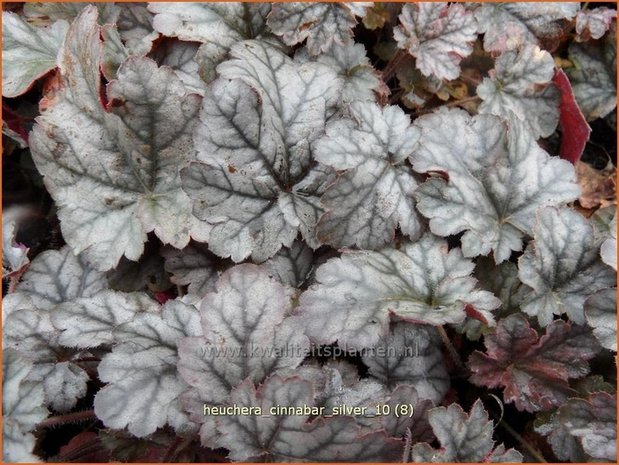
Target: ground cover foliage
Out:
[309,232]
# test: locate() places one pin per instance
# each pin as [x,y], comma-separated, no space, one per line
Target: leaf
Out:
[422,282]
[601,315]
[438,35]
[497,180]
[322,24]
[255,180]
[194,266]
[374,196]
[593,24]
[14,255]
[44,12]
[463,437]
[147,273]
[135,26]
[574,128]
[561,267]
[410,354]
[245,337]
[117,178]
[28,52]
[57,276]
[361,81]
[217,25]
[292,266]
[22,408]
[608,249]
[142,382]
[292,437]
[90,322]
[590,424]
[508,26]
[593,76]
[533,370]
[521,86]
[181,57]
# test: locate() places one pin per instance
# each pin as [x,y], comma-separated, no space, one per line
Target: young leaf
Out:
[143,383]
[533,370]
[438,35]
[463,437]
[193,266]
[322,24]
[590,424]
[28,52]
[14,255]
[410,354]
[217,25]
[293,437]
[375,195]
[22,408]
[594,77]
[255,180]
[561,266]
[361,80]
[508,26]
[422,282]
[521,86]
[601,315]
[496,181]
[114,175]
[593,24]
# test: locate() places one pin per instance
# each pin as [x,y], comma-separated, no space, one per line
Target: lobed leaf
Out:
[521,86]
[28,52]
[438,35]
[375,195]
[496,180]
[561,267]
[463,437]
[533,370]
[255,181]
[601,315]
[422,282]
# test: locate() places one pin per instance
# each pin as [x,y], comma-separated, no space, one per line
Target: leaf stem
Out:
[75,417]
[453,353]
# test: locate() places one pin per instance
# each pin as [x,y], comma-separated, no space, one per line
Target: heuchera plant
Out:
[309,232]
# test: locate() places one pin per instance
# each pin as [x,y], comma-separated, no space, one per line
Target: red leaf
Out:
[14,122]
[533,370]
[574,128]
[85,447]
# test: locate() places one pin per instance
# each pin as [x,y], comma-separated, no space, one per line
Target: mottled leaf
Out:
[463,437]
[114,174]
[22,408]
[291,266]
[590,424]
[181,57]
[438,35]
[293,438]
[90,322]
[217,25]
[421,282]
[375,195]
[533,370]
[593,24]
[561,267]
[521,86]
[508,26]
[601,315]
[594,77]
[255,180]
[608,249]
[361,81]
[143,385]
[322,24]
[497,179]
[410,354]
[28,52]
